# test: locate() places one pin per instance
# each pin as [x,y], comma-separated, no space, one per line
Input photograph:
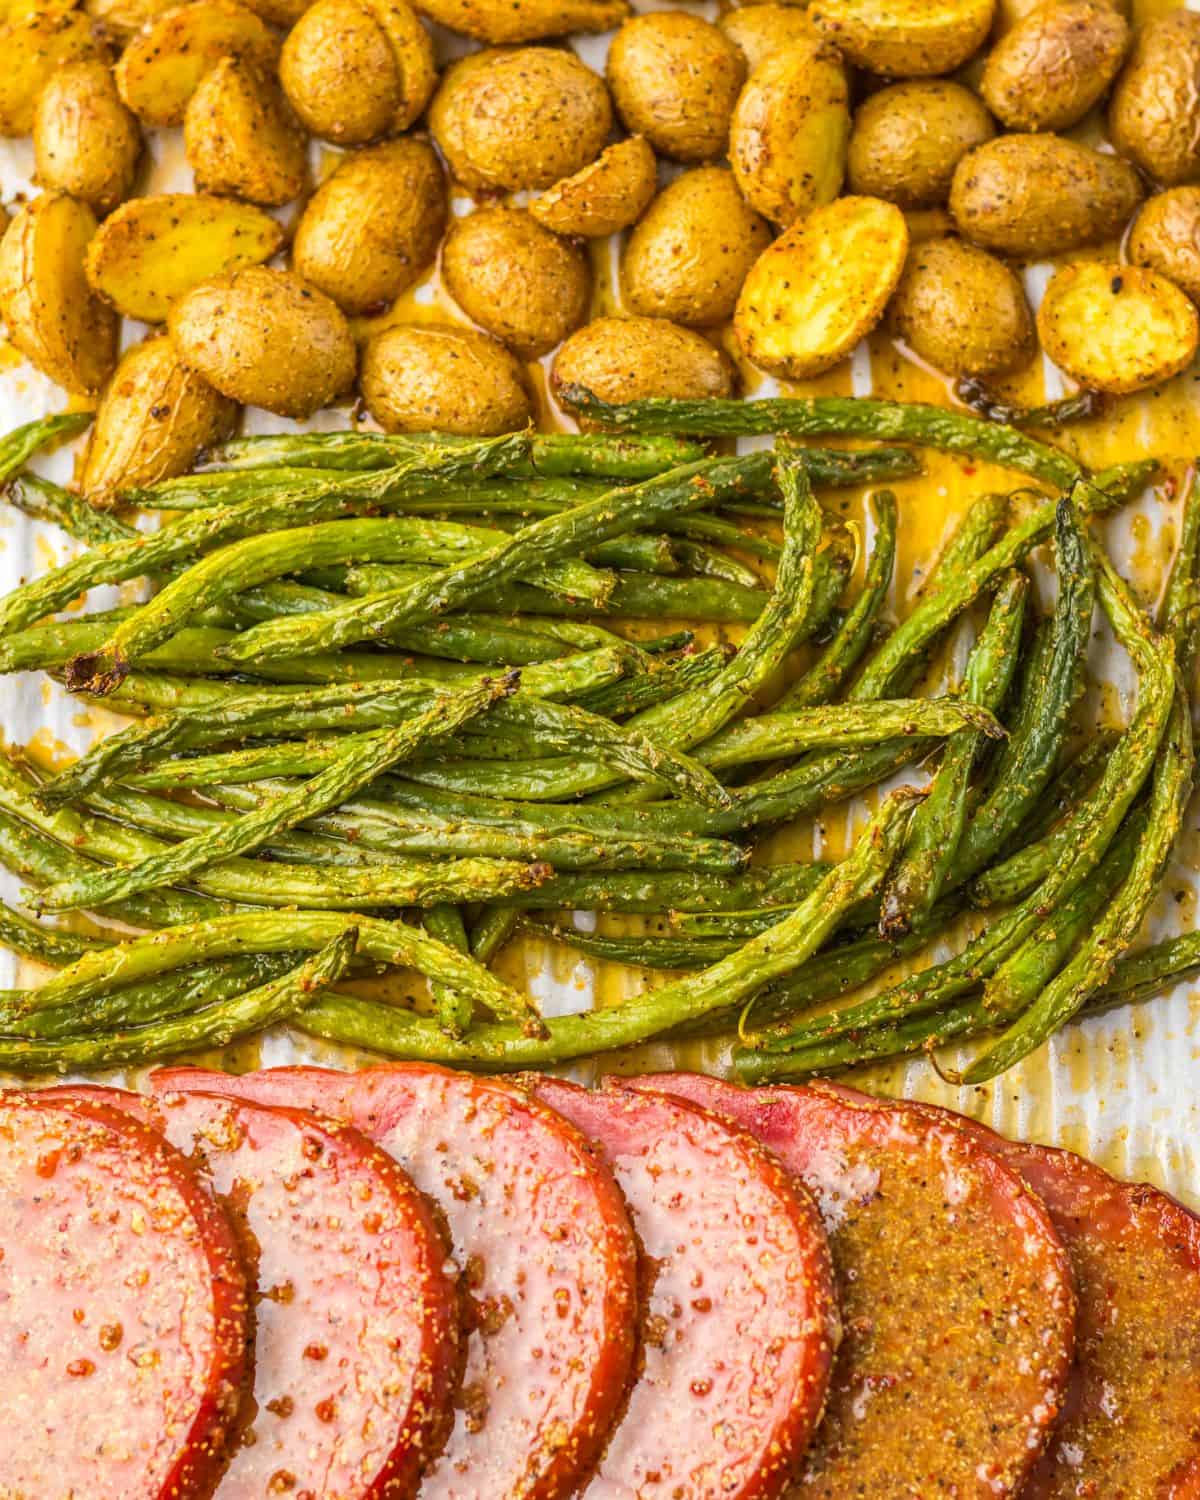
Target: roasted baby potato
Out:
[963,310]
[358,69]
[1166,237]
[1054,64]
[265,338]
[162,67]
[628,359]
[1154,115]
[759,31]
[501,21]
[907,140]
[821,287]
[675,79]
[33,47]
[1010,12]
[51,313]
[153,419]
[787,139]
[524,285]
[906,38]
[154,249]
[692,249]
[124,18]
[85,141]
[1117,328]
[519,119]
[605,197]
[241,138]
[447,379]
[1034,195]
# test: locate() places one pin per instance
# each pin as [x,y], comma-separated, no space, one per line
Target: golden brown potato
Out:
[85,141]
[501,21]
[524,285]
[1166,237]
[33,47]
[124,18]
[692,249]
[787,140]
[1055,64]
[1117,328]
[1041,195]
[162,67]
[675,80]
[821,287]
[358,69]
[908,139]
[443,379]
[906,38]
[1154,116]
[154,418]
[51,313]
[629,359]
[1010,12]
[605,197]
[963,310]
[154,249]
[265,338]
[519,119]
[241,137]
[760,31]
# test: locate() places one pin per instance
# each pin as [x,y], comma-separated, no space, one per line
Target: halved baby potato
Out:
[33,47]
[1117,328]
[449,379]
[821,287]
[85,141]
[906,38]
[629,359]
[604,197]
[963,310]
[502,21]
[241,137]
[154,249]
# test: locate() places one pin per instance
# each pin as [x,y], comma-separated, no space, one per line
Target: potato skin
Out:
[500,21]
[444,379]
[519,119]
[85,142]
[1032,195]
[692,249]
[628,359]
[1166,237]
[759,31]
[1054,64]
[963,310]
[267,339]
[241,137]
[373,225]
[787,139]
[605,197]
[675,79]
[1154,114]
[907,140]
[33,47]
[524,285]
[154,418]
[906,38]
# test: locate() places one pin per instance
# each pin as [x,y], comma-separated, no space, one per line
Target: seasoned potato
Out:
[154,249]
[787,140]
[51,313]
[85,141]
[358,69]
[906,38]
[1117,328]
[1009,12]
[1055,64]
[152,421]
[445,379]
[605,197]
[500,21]
[162,67]
[1154,116]
[675,80]
[33,47]
[519,119]
[265,338]
[241,137]
[628,359]
[759,31]
[521,283]
[1041,195]
[821,287]
[907,140]
[963,310]
[1166,237]
[123,18]
[692,249]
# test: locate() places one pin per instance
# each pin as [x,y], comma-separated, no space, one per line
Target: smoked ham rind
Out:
[548,1261]
[123,1310]
[738,1313]
[956,1292]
